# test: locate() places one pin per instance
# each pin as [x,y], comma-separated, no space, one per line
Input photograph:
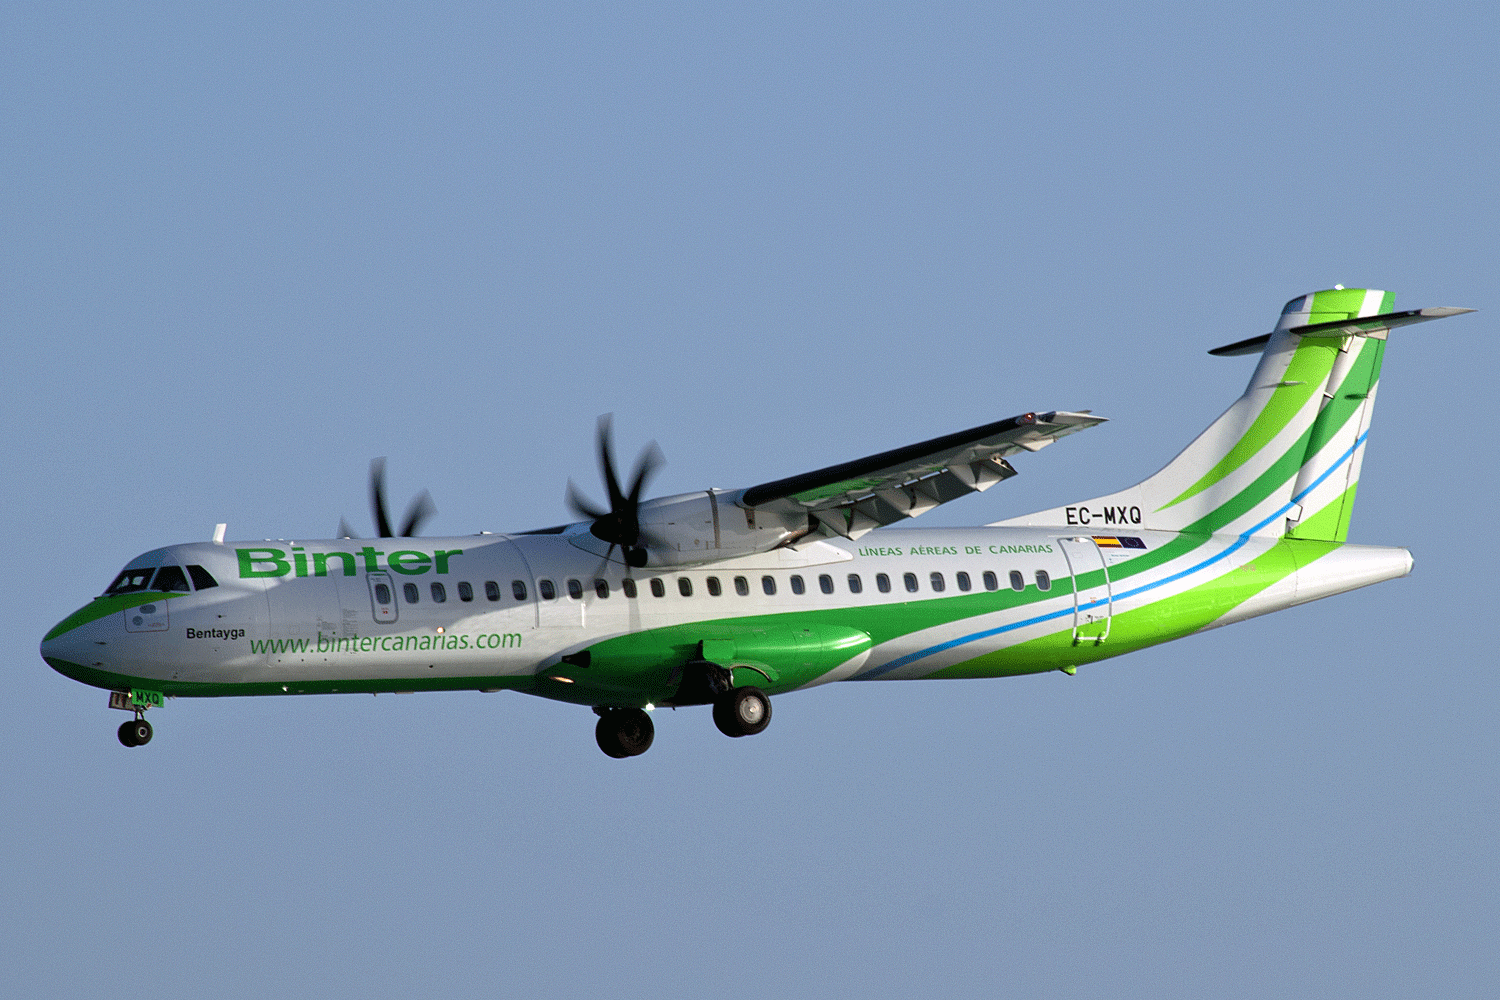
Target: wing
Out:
[855,497]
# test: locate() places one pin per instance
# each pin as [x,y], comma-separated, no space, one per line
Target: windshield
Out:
[130,581]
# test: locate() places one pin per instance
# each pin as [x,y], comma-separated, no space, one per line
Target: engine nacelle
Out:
[701,527]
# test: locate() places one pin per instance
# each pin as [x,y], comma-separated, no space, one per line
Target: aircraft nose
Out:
[71,640]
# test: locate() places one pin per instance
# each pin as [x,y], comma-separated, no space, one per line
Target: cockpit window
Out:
[130,581]
[202,578]
[170,579]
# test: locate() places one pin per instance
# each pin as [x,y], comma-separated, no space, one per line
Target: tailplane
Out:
[1284,459]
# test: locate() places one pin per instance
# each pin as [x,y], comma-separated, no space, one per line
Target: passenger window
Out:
[628,586]
[410,590]
[170,579]
[1043,581]
[1017,581]
[575,590]
[491,590]
[601,587]
[797,586]
[910,579]
[202,579]
[882,583]
[547,591]
[465,592]
[855,584]
[714,590]
[684,586]
[963,582]
[382,594]
[439,593]
[742,586]
[825,583]
[518,588]
[991,582]
[938,586]
[658,589]
[768,584]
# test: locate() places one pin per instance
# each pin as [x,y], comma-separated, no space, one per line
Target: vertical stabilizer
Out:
[1285,457]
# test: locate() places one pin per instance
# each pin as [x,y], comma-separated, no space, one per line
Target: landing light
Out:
[560,679]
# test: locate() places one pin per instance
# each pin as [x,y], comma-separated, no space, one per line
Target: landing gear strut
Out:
[624,732]
[742,711]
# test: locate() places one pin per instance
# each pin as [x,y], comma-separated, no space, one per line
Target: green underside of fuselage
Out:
[198,689]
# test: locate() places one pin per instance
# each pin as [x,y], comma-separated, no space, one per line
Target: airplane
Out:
[728,598]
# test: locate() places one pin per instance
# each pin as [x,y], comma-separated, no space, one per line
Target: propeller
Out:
[621,523]
[420,509]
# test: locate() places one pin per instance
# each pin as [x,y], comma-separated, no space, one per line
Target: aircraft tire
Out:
[624,732]
[127,734]
[140,732]
[743,711]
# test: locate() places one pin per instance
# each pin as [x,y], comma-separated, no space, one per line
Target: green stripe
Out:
[1159,621]
[1311,364]
[103,607]
[1331,524]
[1350,396]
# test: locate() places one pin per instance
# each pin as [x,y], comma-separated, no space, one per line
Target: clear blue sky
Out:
[245,252]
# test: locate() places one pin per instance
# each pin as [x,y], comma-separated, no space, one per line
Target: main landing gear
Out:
[628,732]
[624,732]
[742,711]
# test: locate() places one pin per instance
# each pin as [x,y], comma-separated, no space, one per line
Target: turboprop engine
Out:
[696,527]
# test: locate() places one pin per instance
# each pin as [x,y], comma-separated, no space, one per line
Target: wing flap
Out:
[856,497]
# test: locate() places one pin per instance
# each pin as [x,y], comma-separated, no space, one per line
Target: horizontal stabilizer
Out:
[1343,328]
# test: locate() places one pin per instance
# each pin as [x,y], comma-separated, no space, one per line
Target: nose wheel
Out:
[135,733]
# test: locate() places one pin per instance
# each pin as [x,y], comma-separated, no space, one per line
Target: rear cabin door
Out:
[1093,599]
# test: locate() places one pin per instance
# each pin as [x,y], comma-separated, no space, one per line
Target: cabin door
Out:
[1093,599]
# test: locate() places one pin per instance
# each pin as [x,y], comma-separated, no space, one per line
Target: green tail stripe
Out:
[1331,524]
[1311,364]
[1349,396]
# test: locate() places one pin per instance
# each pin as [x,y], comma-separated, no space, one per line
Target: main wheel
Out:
[743,711]
[624,732]
[127,734]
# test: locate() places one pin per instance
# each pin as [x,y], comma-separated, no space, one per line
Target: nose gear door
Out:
[1093,597]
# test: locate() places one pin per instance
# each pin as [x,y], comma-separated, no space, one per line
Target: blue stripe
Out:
[1236,545]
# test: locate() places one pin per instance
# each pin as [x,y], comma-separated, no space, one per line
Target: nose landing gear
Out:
[135,733]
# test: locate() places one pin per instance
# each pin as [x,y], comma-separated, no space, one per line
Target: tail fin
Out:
[1285,457]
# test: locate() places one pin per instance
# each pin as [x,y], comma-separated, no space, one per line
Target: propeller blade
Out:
[344,530]
[581,505]
[645,467]
[604,435]
[620,524]
[420,510]
[377,498]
